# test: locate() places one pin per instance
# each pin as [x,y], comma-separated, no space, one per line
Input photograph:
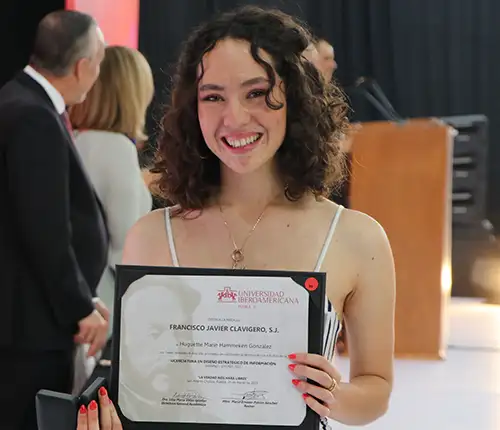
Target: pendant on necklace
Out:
[237,256]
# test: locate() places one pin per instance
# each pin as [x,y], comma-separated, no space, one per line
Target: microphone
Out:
[360,81]
[372,91]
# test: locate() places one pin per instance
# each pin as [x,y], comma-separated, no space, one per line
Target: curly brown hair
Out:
[309,160]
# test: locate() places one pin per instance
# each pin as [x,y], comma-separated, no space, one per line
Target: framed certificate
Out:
[208,348]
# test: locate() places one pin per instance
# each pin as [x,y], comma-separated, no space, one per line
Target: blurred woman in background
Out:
[109,128]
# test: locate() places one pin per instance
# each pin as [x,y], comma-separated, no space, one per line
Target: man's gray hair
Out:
[62,38]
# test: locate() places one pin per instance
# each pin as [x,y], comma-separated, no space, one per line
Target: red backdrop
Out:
[119,20]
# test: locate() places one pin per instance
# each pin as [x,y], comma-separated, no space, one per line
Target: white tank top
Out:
[333,324]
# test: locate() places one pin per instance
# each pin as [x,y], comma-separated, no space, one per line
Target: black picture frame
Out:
[126,275]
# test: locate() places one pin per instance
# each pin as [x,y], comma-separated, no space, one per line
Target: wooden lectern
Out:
[401,175]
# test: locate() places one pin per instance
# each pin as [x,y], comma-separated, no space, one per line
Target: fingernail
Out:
[102,391]
[83,409]
[109,400]
[305,395]
[93,405]
[292,356]
[292,367]
[295,381]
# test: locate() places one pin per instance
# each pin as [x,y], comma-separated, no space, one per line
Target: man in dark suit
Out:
[53,242]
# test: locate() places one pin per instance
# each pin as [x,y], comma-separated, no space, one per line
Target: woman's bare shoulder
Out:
[150,223]
[364,224]
[359,236]
[146,242]
[358,228]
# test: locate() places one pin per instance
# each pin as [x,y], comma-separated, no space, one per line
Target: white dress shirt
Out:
[54,95]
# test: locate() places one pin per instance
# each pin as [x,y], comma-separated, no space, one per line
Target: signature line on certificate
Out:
[250,395]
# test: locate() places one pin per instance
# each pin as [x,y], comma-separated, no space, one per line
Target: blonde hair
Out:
[120,97]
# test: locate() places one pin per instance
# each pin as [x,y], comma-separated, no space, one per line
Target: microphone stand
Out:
[388,115]
[381,95]
[377,99]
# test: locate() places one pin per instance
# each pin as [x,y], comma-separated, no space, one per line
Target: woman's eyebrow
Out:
[247,83]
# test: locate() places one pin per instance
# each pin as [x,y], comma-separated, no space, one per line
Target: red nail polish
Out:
[93,405]
[292,356]
[295,381]
[292,367]
[102,391]
[305,395]
[83,409]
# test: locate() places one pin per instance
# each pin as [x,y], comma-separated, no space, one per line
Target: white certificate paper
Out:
[212,349]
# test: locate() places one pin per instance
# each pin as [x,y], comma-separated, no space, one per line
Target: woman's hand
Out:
[88,417]
[317,368]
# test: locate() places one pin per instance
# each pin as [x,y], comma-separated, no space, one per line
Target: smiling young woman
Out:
[250,150]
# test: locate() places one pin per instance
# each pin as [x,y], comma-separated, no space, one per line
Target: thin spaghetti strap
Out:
[328,239]
[170,237]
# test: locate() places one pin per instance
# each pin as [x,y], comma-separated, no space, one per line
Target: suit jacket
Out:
[53,242]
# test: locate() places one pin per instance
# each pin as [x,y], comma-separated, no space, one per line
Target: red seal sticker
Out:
[311,284]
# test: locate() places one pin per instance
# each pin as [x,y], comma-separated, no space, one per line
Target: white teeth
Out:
[238,143]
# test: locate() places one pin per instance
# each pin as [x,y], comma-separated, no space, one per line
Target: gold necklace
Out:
[237,255]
